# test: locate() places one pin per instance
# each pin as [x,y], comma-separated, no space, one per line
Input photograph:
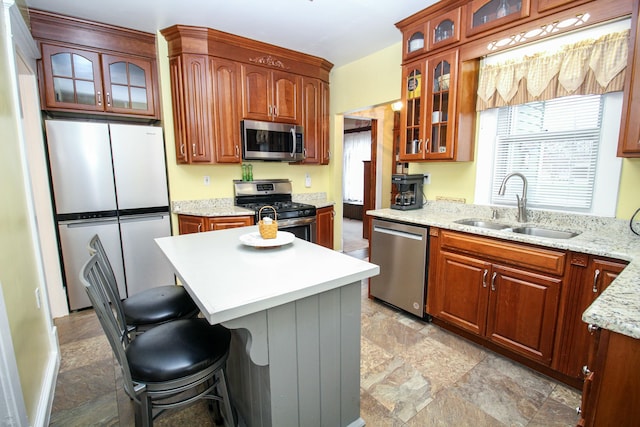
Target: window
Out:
[565,147]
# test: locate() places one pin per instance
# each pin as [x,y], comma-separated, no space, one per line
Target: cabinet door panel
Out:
[256,93]
[72,78]
[128,85]
[222,223]
[197,112]
[188,224]
[287,98]
[312,120]
[462,291]
[324,227]
[178,103]
[523,310]
[226,110]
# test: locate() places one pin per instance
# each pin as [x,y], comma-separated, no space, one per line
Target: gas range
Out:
[275,192]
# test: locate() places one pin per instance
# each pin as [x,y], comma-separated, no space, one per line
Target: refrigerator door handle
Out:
[143,217]
[88,222]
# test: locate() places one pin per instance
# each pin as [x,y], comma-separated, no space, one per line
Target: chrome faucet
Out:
[522,201]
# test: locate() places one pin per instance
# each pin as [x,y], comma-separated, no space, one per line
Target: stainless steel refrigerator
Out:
[110,180]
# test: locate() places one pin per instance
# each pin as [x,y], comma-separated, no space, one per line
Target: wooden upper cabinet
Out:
[72,78]
[484,15]
[94,68]
[429,113]
[192,119]
[128,85]
[544,5]
[78,79]
[315,117]
[629,141]
[444,29]
[270,95]
[225,84]
[415,40]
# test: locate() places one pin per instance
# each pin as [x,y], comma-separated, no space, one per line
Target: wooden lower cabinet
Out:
[612,382]
[324,226]
[590,275]
[501,300]
[195,224]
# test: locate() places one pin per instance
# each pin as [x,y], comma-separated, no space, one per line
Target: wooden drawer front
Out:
[544,260]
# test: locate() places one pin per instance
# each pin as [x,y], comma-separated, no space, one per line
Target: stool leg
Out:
[223,391]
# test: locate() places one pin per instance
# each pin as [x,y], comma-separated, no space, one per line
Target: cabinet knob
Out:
[592,328]
[585,370]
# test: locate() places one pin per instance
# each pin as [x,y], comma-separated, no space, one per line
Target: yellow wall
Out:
[376,80]
[19,269]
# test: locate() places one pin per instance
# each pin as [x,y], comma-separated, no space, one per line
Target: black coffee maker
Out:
[408,191]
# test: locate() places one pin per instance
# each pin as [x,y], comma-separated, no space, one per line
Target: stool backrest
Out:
[95,278]
[111,285]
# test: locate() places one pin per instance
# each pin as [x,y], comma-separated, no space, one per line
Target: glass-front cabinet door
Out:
[415,40]
[441,80]
[488,14]
[128,86]
[412,115]
[72,78]
[445,29]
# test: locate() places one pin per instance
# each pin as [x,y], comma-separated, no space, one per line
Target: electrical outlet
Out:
[427,178]
[307,180]
[207,180]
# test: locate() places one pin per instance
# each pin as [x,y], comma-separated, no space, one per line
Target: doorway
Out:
[358,186]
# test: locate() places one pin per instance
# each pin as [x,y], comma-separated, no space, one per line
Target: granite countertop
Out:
[617,309]
[225,206]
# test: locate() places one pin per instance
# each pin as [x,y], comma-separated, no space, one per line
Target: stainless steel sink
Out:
[544,232]
[482,224]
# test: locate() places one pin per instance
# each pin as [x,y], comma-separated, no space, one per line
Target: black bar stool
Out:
[150,307]
[169,366]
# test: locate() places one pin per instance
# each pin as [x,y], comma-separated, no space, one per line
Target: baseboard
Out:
[47,392]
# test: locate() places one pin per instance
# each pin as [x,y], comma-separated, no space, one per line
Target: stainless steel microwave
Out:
[272,141]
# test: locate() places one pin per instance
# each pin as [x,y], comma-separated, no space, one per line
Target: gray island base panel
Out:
[294,312]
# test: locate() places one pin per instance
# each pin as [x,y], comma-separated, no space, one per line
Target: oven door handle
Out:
[296,221]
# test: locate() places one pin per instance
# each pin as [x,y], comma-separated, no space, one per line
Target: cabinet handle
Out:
[493,281]
[199,227]
[99,98]
[108,99]
[275,111]
[484,278]
[237,151]
[592,328]
[585,370]
[595,281]
[270,110]
[193,149]
[182,150]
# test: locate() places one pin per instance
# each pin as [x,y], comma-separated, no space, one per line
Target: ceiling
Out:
[339,31]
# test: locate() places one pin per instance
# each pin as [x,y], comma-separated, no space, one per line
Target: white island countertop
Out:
[228,279]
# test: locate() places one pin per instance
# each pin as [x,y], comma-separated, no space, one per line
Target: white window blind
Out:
[555,145]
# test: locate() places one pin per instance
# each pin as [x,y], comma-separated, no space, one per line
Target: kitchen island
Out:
[294,312]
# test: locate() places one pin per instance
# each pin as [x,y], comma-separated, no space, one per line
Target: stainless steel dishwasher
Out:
[401,251]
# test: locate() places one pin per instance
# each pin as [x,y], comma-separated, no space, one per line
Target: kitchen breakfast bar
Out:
[294,313]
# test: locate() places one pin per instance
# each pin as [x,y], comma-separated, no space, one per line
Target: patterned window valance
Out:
[588,67]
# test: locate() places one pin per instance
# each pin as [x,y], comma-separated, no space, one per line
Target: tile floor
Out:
[412,374]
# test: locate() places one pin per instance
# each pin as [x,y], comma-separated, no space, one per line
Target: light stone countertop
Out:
[225,206]
[617,309]
[229,280]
